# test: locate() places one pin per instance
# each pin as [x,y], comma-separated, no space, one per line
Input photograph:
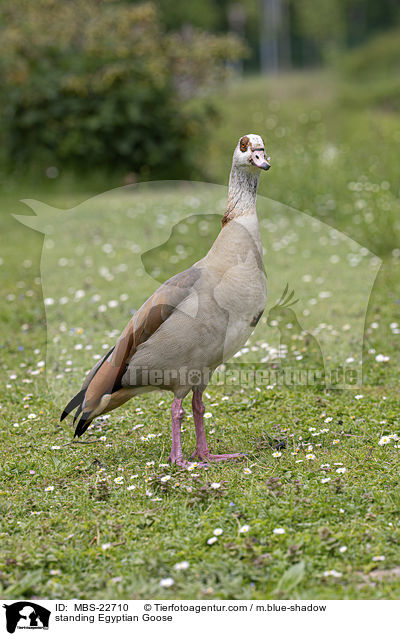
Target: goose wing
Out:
[105,377]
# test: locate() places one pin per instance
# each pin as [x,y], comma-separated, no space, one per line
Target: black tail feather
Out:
[83,424]
[77,414]
[77,400]
[72,404]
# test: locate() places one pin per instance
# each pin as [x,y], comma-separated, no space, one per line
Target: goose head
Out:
[250,154]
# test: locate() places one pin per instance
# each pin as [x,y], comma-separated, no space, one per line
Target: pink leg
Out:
[177,412]
[202,451]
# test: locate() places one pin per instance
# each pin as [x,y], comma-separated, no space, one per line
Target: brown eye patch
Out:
[244,144]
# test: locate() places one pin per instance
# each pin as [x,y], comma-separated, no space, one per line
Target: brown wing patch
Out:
[156,310]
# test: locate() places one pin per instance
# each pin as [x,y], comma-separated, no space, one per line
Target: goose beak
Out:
[260,160]
[266,165]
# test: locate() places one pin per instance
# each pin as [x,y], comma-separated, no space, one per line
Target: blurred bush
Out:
[372,72]
[100,83]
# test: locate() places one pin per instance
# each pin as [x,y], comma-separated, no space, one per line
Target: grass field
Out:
[312,510]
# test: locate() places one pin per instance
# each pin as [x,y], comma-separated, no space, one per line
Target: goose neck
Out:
[243,184]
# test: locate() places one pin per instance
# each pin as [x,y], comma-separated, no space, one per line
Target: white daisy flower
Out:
[166,582]
[381,358]
[333,573]
[182,565]
[215,485]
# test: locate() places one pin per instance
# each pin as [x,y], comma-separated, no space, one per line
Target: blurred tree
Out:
[204,14]
[367,17]
[321,27]
[214,15]
[305,32]
[281,33]
[100,82]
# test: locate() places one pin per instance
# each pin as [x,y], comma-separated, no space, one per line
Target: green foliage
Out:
[205,14]
[372,72]
[314,31]
[292,577]
[322,23]
[101,83]
[380,56]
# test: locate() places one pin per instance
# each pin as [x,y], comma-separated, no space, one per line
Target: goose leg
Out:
[177,412]
[202,451]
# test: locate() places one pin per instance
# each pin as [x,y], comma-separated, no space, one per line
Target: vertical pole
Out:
[271,19]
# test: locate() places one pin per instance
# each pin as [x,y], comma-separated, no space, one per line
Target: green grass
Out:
[91,537]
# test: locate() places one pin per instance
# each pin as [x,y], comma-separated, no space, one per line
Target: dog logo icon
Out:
[26,615]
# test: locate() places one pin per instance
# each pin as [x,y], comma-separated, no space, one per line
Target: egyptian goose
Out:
[195,321]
